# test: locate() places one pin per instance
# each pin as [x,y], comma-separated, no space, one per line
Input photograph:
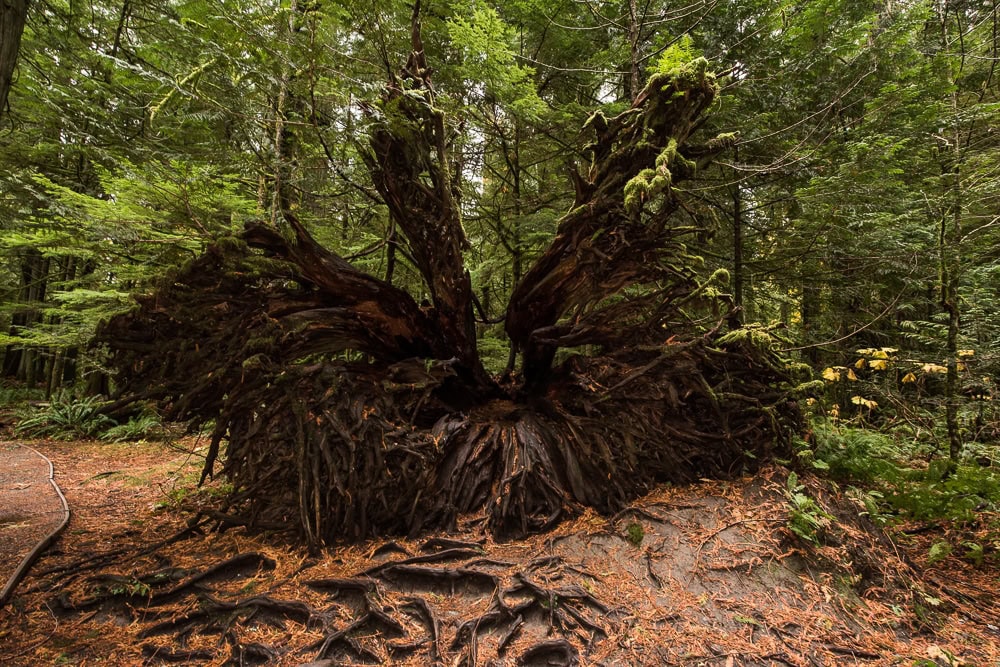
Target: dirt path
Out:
[707,574]
[32,511]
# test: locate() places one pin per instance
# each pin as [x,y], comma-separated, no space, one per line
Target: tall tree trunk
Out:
[34,277]
[737,318]
[950,267]
[20,317]
[950,249]
[281,193]
[13,15]
[515,172]
[634,66]
[949,245]
[56,365]
[809,309]
[53,372]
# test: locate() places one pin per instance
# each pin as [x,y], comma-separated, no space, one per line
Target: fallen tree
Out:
[352,409]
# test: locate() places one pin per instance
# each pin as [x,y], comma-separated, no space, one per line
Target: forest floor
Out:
[708,574]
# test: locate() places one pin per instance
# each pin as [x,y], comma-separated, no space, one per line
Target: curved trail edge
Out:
[22,569]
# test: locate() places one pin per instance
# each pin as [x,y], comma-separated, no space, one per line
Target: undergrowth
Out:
[898,478]
[67,417]
[11,396]
[142,427]
[64,418]
[806,519]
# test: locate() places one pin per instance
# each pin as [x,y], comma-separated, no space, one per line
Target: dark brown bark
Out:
[635,67]
[23,363]
[602,247]
[412,174]
[736,320]
[13,15]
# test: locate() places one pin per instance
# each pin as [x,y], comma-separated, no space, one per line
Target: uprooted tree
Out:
[352,409]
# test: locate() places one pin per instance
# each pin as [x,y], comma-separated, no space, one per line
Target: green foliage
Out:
[145,221]
[130,587]
[141,427]
[676,56]
[855,455]
[755,335]
[494,350]
[635,533]
[938,492]
[889,480]
[806,519]
[938,552]
[66,417]
[17,396]
[486,43]
[974,553]
[643,187]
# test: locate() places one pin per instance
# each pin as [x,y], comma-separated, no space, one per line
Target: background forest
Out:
[858,213]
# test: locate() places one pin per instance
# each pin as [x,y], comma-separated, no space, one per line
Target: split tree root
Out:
[352,410]
[513,603]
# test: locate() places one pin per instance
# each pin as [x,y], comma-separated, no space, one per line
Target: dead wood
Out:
[349,410]
[439,543]
[457,553]
[238,566]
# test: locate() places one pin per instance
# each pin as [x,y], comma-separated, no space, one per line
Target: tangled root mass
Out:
[350,410]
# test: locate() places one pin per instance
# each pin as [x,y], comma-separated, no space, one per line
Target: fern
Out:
[64,418]
[959,496]
[856,455]
[806,519]
[676,55]
[138,428]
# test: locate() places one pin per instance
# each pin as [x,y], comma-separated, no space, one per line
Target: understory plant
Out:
[897,477]
[67,417]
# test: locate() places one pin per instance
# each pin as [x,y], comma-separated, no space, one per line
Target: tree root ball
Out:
[350,410]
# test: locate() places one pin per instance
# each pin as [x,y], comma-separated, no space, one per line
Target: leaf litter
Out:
[705,574]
